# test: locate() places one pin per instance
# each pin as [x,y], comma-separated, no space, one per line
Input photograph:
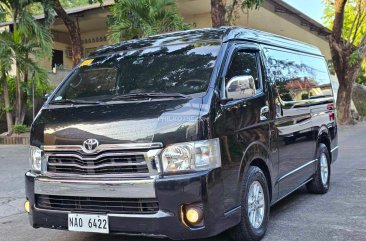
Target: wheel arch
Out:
[257,154]
[324,137]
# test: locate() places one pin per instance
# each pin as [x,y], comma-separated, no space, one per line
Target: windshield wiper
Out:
[148,96]
[74,102]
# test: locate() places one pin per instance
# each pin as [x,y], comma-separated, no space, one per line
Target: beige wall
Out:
[94,39]
[260,19]
[46,62]
[265,20]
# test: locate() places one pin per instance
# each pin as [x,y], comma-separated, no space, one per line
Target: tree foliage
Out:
[234,7]
[354,25]
[27,41]
[225,12]
[138,18]
[354,28]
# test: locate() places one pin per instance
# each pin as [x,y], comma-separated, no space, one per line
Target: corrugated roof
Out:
[305,19]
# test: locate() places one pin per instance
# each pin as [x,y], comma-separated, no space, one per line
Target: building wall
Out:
[47,62]
[266,20]
[285,25]
[91,41]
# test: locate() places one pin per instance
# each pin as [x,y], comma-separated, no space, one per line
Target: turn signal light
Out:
[27,206]
[330,106]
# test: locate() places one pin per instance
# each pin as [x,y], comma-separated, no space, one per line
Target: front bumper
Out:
[171,191]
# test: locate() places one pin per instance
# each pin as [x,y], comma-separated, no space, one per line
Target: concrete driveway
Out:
[338,215]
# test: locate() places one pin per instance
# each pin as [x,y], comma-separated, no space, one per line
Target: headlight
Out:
[191,156]
[36,157]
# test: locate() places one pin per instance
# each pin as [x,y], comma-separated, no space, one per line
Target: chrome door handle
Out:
[264,113]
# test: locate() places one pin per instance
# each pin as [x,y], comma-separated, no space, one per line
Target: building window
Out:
[57,58]
[88,51]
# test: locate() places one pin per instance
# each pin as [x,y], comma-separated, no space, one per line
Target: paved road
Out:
[338,215]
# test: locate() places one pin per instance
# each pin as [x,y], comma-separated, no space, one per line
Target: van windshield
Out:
[177,69]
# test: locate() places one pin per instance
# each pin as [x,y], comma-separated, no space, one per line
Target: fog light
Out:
[194,215]
[27,206]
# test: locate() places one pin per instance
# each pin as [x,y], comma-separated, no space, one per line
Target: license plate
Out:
[88,223]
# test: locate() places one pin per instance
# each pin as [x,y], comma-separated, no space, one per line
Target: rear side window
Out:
[316,71]
[298,76]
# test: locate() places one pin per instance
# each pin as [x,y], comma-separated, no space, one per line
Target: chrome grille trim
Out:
[99,166]
[88,158]
[103,147]
[66,161]
[131,188]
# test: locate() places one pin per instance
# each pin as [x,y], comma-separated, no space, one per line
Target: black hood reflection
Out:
[165,121]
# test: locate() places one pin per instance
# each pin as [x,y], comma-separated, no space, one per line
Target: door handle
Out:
[264,113]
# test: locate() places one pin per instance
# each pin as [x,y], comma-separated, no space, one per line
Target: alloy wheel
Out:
[256,204]
[324,171]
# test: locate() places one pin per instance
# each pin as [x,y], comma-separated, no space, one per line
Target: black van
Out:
[183,135]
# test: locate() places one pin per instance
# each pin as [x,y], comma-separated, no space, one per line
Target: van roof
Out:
[222,34]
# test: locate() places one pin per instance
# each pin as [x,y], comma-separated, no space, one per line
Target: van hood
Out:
[165,121]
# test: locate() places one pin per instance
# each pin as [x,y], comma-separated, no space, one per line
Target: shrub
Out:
[362,108]
[359,99]
[18,129]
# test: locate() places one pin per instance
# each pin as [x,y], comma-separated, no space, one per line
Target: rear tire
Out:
[254,207]
[320,182]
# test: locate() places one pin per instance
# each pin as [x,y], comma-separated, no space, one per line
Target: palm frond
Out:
[138,18]
[6,53]
[30,29]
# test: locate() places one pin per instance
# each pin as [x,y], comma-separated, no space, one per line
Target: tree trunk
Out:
[344,99]
[9,116]
[231,12]
[18,96]
[24,97]
[217,13]
[20,104]
[18,84]
[340,57]
[74,32]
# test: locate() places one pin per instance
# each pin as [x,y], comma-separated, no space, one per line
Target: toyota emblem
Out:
[90,145]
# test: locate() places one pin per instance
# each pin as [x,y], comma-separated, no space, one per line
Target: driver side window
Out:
[242,78]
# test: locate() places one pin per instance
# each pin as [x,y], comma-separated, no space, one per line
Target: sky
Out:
[312,8]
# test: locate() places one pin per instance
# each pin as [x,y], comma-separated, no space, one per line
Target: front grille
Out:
[98,204]
[107,163]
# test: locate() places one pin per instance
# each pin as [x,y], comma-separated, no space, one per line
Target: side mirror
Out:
[240,87]
[45,97]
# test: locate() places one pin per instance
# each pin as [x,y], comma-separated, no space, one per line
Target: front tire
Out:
[254,207]
[320,182]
